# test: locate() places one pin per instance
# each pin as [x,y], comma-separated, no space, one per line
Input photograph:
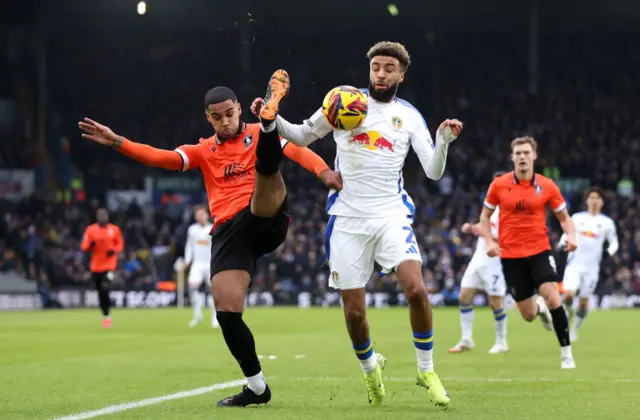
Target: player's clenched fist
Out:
[331,179]
[571,244]
[99,133]
[450,130]
[493,250]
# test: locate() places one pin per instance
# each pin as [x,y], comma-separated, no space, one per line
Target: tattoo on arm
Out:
[117,143]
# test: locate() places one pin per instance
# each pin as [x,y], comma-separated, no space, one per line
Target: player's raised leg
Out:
[466,316]
[270,191]
[349,247]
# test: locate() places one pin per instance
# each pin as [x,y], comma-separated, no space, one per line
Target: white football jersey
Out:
[480,254]
[591,232]
[197,250]
[370,159]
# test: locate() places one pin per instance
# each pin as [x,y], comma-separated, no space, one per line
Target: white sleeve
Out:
[432,158]
[612,238]
[312,129]
[188,248]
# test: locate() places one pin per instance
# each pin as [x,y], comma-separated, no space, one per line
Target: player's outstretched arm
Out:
[314,164]
[566,222]
[87,242]
[434,158]
[147,155]
[303,134]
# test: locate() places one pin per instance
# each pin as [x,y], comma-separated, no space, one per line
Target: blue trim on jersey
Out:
[405,198]
[407,104]
[364,90]
[332,200]
[327,236]
[410,207]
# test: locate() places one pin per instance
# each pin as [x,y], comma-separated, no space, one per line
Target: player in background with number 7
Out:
[524,248]
[483,273]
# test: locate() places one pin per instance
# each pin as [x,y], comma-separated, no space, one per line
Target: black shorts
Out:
[240,241]
[101,280]
[525,275]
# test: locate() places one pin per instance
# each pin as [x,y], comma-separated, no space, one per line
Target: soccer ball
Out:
[345,107]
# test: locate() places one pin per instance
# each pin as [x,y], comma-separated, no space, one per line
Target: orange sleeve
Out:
[492,200]
[86,240]
[119,242]
[556,200]
[150,156]
[306,158]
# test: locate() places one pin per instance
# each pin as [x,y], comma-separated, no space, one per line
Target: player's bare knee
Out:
[528,309]
[229,289]
[466,295]
[584,304]
[416,294]
[495,302]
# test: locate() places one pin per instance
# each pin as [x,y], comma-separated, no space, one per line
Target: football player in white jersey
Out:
[483,273]
[371,217]
[583,265]
[197,256]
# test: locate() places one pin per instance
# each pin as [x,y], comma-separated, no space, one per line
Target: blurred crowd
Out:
[584,113]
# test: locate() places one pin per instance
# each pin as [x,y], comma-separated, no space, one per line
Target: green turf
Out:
[60,363]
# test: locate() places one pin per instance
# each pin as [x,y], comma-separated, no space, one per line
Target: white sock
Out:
[423,343]
[257,384]
[466,320]
[500,317]
[197,301]
[367,356]
[369,364]
[566,352]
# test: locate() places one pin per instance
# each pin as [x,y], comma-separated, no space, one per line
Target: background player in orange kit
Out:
[104,241]
[248,201]
[524,247]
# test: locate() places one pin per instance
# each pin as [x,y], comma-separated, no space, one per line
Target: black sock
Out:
[268,150]
[240,342]
[105,301]
[581,313]
[561,325]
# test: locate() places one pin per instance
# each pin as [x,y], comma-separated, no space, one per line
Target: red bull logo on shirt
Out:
[372,140]
[589,234]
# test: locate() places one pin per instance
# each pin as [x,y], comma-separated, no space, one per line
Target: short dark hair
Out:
[199,207]
[498,173]
[391,49]
[219,94]
[596,190]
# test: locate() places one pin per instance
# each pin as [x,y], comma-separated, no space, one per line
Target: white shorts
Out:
[199,273]
[355,243]
[581,277]
[485,276]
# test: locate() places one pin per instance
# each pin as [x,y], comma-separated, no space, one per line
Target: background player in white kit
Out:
[483,273]
[197,255]
[370,219]
[583,265]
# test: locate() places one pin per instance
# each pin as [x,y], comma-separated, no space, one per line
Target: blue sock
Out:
[423,343]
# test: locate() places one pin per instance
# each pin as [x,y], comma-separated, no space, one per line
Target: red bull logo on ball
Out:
[373,140]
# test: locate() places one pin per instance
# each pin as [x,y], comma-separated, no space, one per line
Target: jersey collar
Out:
[532,181]
[241,129]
